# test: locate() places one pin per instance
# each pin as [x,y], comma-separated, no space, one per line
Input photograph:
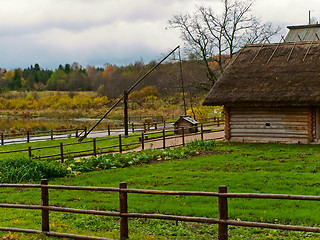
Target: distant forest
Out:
[110,81]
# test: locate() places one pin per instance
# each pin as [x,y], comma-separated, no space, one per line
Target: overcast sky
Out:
[95,32]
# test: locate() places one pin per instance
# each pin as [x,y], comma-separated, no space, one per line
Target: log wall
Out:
[267,124]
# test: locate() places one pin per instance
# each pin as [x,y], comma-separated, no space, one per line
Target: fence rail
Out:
[223,221]
[99,146]
[32,136]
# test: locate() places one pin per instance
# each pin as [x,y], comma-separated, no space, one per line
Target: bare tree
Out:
[213,37]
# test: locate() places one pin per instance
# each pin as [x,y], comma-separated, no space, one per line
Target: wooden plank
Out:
[257,119]
[274,139]
[273,126]
[270,131]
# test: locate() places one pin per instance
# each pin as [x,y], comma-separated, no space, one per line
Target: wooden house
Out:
[188,124]
[271,93]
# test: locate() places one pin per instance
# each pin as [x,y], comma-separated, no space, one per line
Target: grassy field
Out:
[257,168]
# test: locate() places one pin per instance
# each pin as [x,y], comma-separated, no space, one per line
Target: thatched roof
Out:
[286,74]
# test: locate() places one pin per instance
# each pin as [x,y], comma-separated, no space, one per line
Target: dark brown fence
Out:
[32,136]
[222,221]
[94,146]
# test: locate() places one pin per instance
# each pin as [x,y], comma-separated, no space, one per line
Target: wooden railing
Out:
[32,136]
[223,221]
[100,146]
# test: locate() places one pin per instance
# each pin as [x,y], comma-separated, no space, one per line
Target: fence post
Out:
[51,133]
[85,130]
[29,151]
[144,127]
[61,153]
[45,203]
[123,209]
[108,130]
[142,141]
[164,124]
[2,139]
[94,147]
[120,144]
[223,213]
[132,127]
[182,134]
[28,136]
[164,138]
[218,122]
[77,133]
[201,131]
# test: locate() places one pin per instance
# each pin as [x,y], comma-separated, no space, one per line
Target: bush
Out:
[26,169]
[119,160]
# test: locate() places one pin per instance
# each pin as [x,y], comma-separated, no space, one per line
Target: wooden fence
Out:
[223,221]
[62,152]
[32,136]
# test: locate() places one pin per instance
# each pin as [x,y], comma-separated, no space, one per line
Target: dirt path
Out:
[174,141]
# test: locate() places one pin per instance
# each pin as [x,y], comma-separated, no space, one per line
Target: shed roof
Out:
[188,119]
[303,33]
[286,74]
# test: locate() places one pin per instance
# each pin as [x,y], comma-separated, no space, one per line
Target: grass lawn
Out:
[257,168]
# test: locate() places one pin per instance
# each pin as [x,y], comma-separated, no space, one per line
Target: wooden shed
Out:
[188,124]
[271,93]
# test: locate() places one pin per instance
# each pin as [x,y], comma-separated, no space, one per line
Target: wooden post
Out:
[201,127]
[125,114]
[142,141]
[227,122]
[164,138]
[51,134]
[77,133]
[94,147]
[61,153]
[164,124]
[28,136]
[223,214]
[29,151]
[123,199]
[132,127]
[309,124]
[182,133]
[2,139]
[156,126]
[120,144]
[144,127]
[45,203]
[85,130]
[108,130]
[218,122]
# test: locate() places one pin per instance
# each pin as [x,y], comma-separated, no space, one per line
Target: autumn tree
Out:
[211,36]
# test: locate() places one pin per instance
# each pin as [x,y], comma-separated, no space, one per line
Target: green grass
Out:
[257,168]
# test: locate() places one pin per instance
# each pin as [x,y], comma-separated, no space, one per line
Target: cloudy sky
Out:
[95,32]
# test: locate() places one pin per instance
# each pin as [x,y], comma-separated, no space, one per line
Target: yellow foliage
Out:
[145,93]
[205,112]
[54,101]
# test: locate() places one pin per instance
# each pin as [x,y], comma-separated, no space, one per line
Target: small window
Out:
[268,124]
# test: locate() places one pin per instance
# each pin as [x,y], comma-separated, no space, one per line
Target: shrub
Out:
[26,169]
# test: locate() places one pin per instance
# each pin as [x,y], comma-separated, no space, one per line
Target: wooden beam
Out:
[317,121]
[309,123]
[227,122]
